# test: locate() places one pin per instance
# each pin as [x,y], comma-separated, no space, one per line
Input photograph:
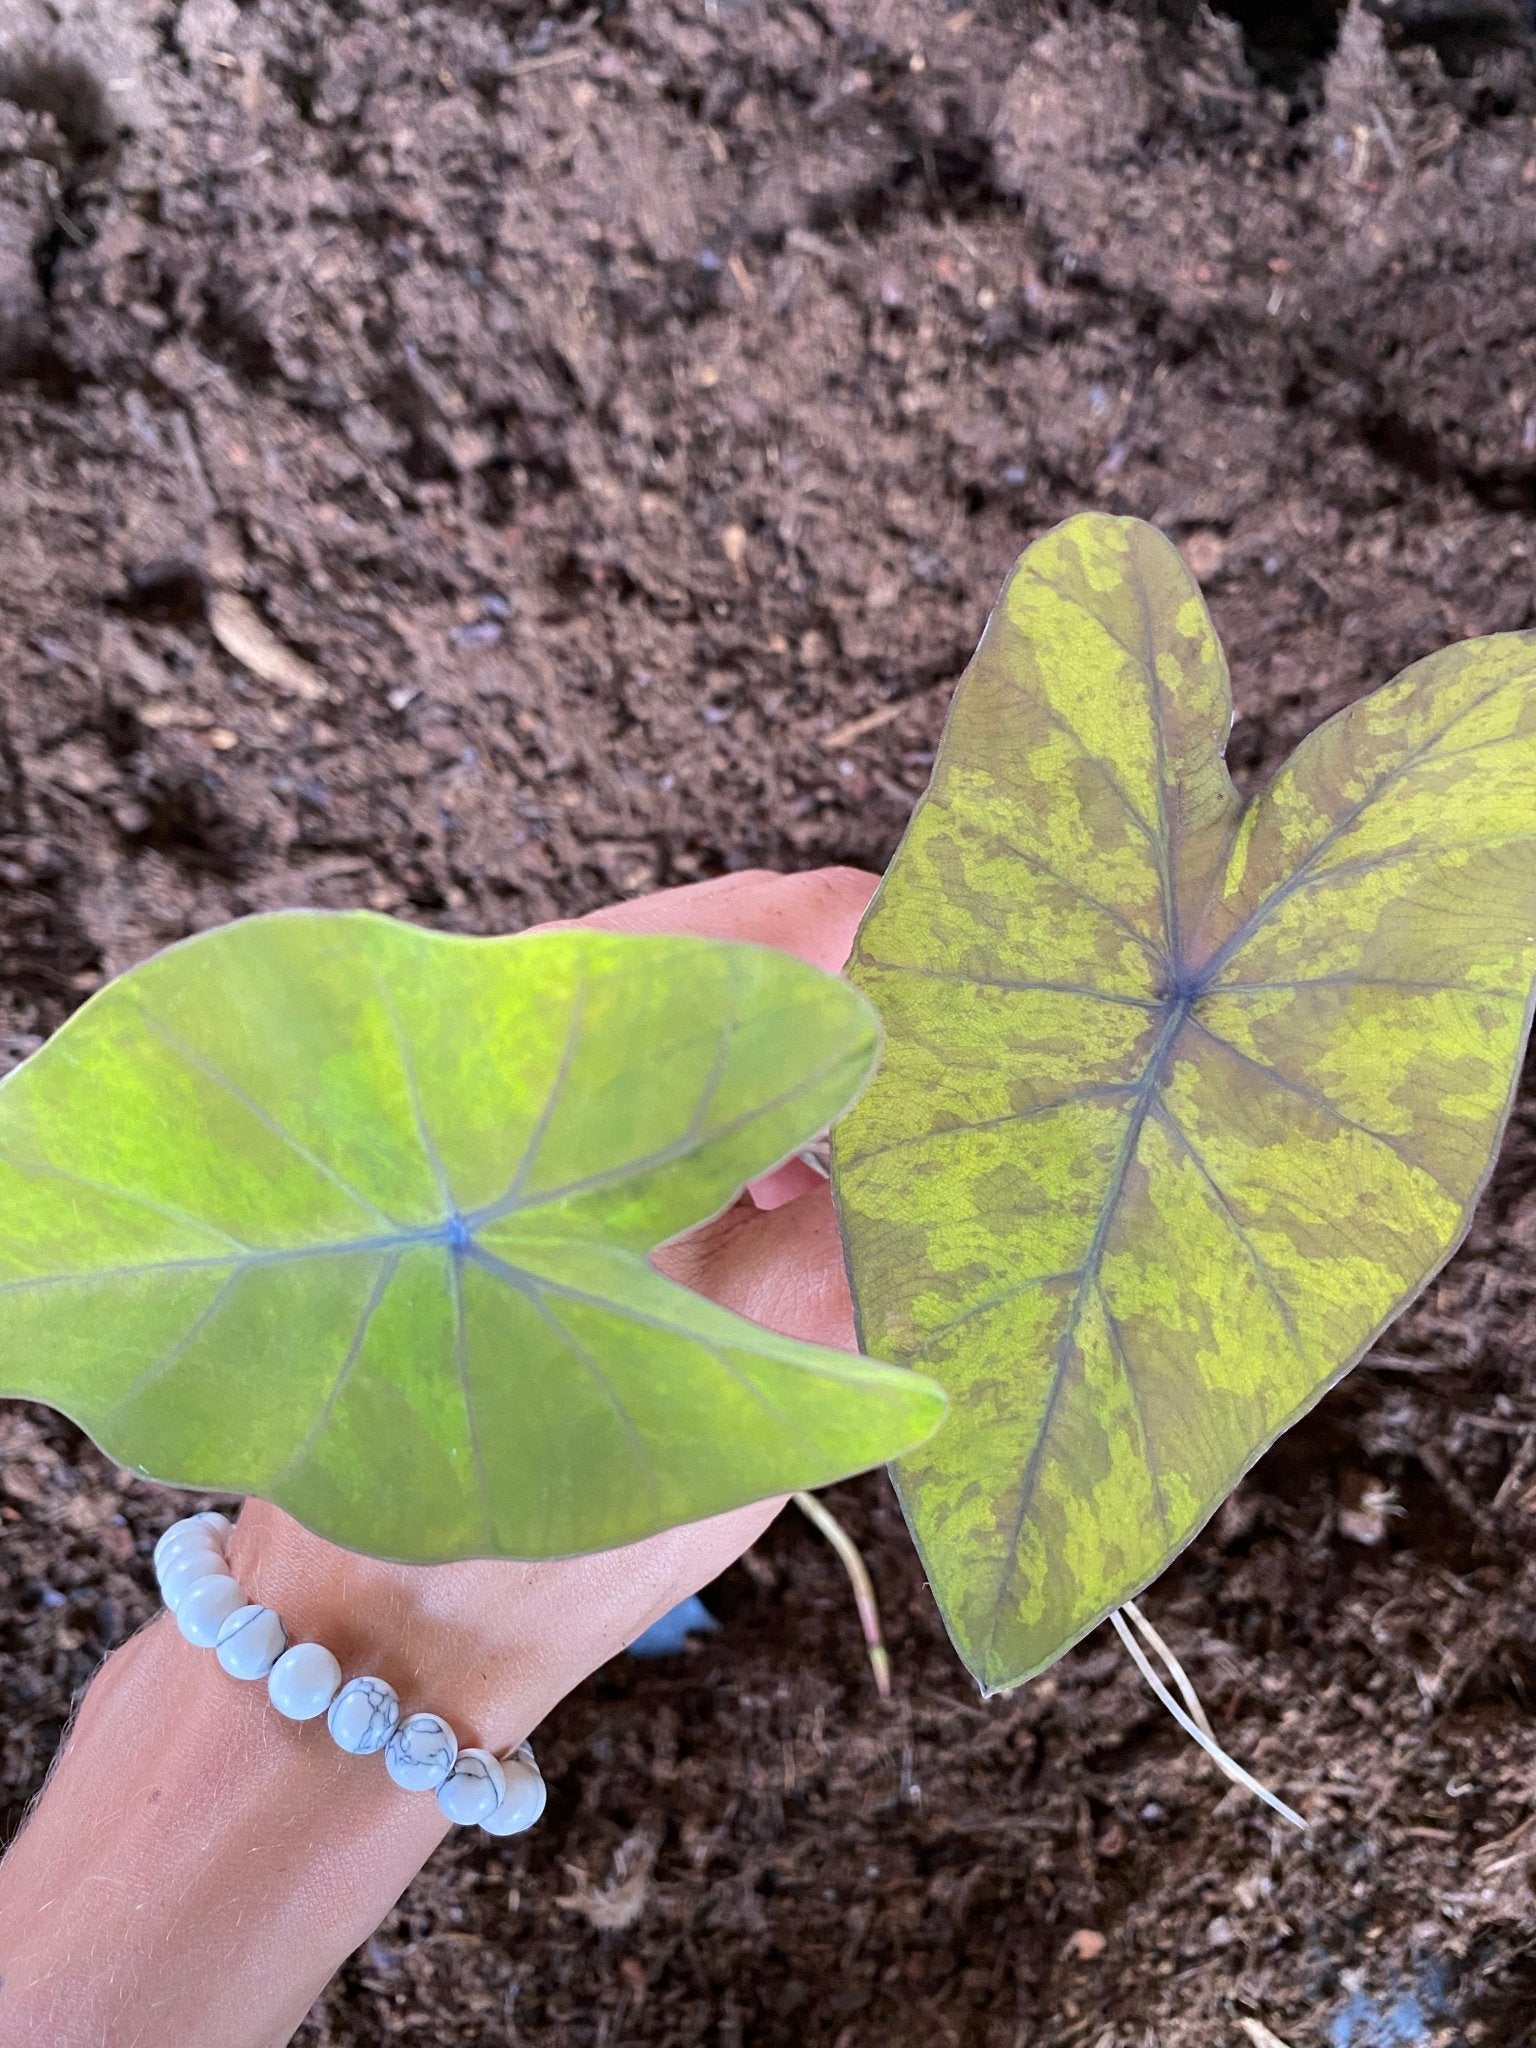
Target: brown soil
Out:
[612,426]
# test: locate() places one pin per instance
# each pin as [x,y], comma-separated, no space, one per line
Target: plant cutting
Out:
[1184,1097]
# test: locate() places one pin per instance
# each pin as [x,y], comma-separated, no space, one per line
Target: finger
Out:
[786,1183]
[782,1268]
[813,915]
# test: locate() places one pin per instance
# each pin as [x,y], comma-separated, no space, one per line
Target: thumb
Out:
[780,1267]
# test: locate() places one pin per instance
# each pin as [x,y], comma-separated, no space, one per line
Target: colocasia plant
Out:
[1183,1098]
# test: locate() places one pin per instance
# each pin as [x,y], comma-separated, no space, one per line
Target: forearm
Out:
[198,1867]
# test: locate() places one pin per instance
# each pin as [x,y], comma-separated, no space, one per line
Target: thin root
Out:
[1194,1724]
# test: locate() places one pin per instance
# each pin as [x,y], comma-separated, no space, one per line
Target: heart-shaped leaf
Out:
[355,1216]
[1183,1100]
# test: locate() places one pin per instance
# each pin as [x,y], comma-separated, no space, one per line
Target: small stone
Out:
[421,1753]
[303,1681]
[1087,1944]
[205,1606]
[363,1716]
[1204,553]
[473,1789]
[523,1800]
[1364,1506]
[250,1642]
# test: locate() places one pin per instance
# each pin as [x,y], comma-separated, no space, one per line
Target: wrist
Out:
[490,1647]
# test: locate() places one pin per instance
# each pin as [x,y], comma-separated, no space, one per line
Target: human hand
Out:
[198,1867]
[482,1640]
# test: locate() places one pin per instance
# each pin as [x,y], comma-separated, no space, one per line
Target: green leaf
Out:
[1182,1101]
[355,1216]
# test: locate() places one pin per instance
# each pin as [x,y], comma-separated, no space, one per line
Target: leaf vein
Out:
[280,1255]
[413,1092]
[1157,712]
[526,1286]
[1064,725]
[1345,821]
[665,1155]
[1148,1447]
[1240,1229]
[1106,910]
[1346,981]
[466,1394]
[1049,988]
[1307,1093]
[201,1064]
[171,1214]
[1062,1371]
[300,1455]
[993,1301]
[551,1101]
[156,1371]
[522,1280]
[1100,1092]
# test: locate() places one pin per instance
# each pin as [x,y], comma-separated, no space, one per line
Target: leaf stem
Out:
[822,1518]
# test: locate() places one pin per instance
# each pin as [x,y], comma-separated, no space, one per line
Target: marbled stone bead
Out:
[194,1529]
[205,1606]
[303,1681]
[363,1716]
[523,1800]
[184,1568]
[473,1789]
[250,1642]
[421,1753]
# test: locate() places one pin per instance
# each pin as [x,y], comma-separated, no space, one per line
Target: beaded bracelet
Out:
[503,1795]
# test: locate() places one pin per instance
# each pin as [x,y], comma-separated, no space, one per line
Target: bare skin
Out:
[198,1868]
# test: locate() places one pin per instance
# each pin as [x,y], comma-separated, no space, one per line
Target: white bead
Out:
[363,1716]
[196,1529]
[186,1567]
[195,1543]
[421,1753]
[473,1789]
[303,1681]
[176,1534]
[523,1800]
[205,1606]
[250,1642]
